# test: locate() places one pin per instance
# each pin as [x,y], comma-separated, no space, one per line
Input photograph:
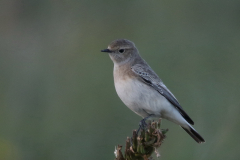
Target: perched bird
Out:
[141,90]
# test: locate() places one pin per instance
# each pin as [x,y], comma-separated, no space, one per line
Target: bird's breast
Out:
[124,85]
[138,96]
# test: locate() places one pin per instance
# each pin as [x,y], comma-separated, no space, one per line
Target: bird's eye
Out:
[121,50]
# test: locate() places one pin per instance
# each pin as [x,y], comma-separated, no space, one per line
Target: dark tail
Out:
[196,136]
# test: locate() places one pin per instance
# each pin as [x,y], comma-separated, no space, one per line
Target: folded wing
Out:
[150,78]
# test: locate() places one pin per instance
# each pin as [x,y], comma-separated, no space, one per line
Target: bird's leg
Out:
[143,124]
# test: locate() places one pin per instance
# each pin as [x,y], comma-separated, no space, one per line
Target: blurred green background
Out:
[57,98]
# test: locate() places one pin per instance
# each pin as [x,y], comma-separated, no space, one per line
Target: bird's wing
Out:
[150,78]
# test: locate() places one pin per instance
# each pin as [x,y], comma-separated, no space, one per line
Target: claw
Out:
[143,124]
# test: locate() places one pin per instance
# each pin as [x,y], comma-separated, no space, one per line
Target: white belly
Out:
[141,98]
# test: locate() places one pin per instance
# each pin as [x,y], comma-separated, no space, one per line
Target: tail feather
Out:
[194,134]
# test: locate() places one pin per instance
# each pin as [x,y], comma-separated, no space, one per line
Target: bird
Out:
[142,91]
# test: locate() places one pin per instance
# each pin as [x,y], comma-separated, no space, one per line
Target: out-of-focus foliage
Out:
[57,98]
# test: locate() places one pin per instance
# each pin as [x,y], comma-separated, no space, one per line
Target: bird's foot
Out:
[143,124]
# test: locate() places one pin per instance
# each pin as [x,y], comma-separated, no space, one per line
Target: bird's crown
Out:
[121,44]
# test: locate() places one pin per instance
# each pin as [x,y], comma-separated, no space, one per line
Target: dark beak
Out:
[106,50]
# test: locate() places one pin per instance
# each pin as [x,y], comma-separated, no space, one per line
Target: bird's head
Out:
[121,51]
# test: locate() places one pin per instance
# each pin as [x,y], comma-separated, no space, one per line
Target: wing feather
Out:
[151,79]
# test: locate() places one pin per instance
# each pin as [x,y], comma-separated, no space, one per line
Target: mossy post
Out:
[141,147]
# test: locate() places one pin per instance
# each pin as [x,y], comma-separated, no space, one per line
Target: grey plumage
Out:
[141,90]
[151,78]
